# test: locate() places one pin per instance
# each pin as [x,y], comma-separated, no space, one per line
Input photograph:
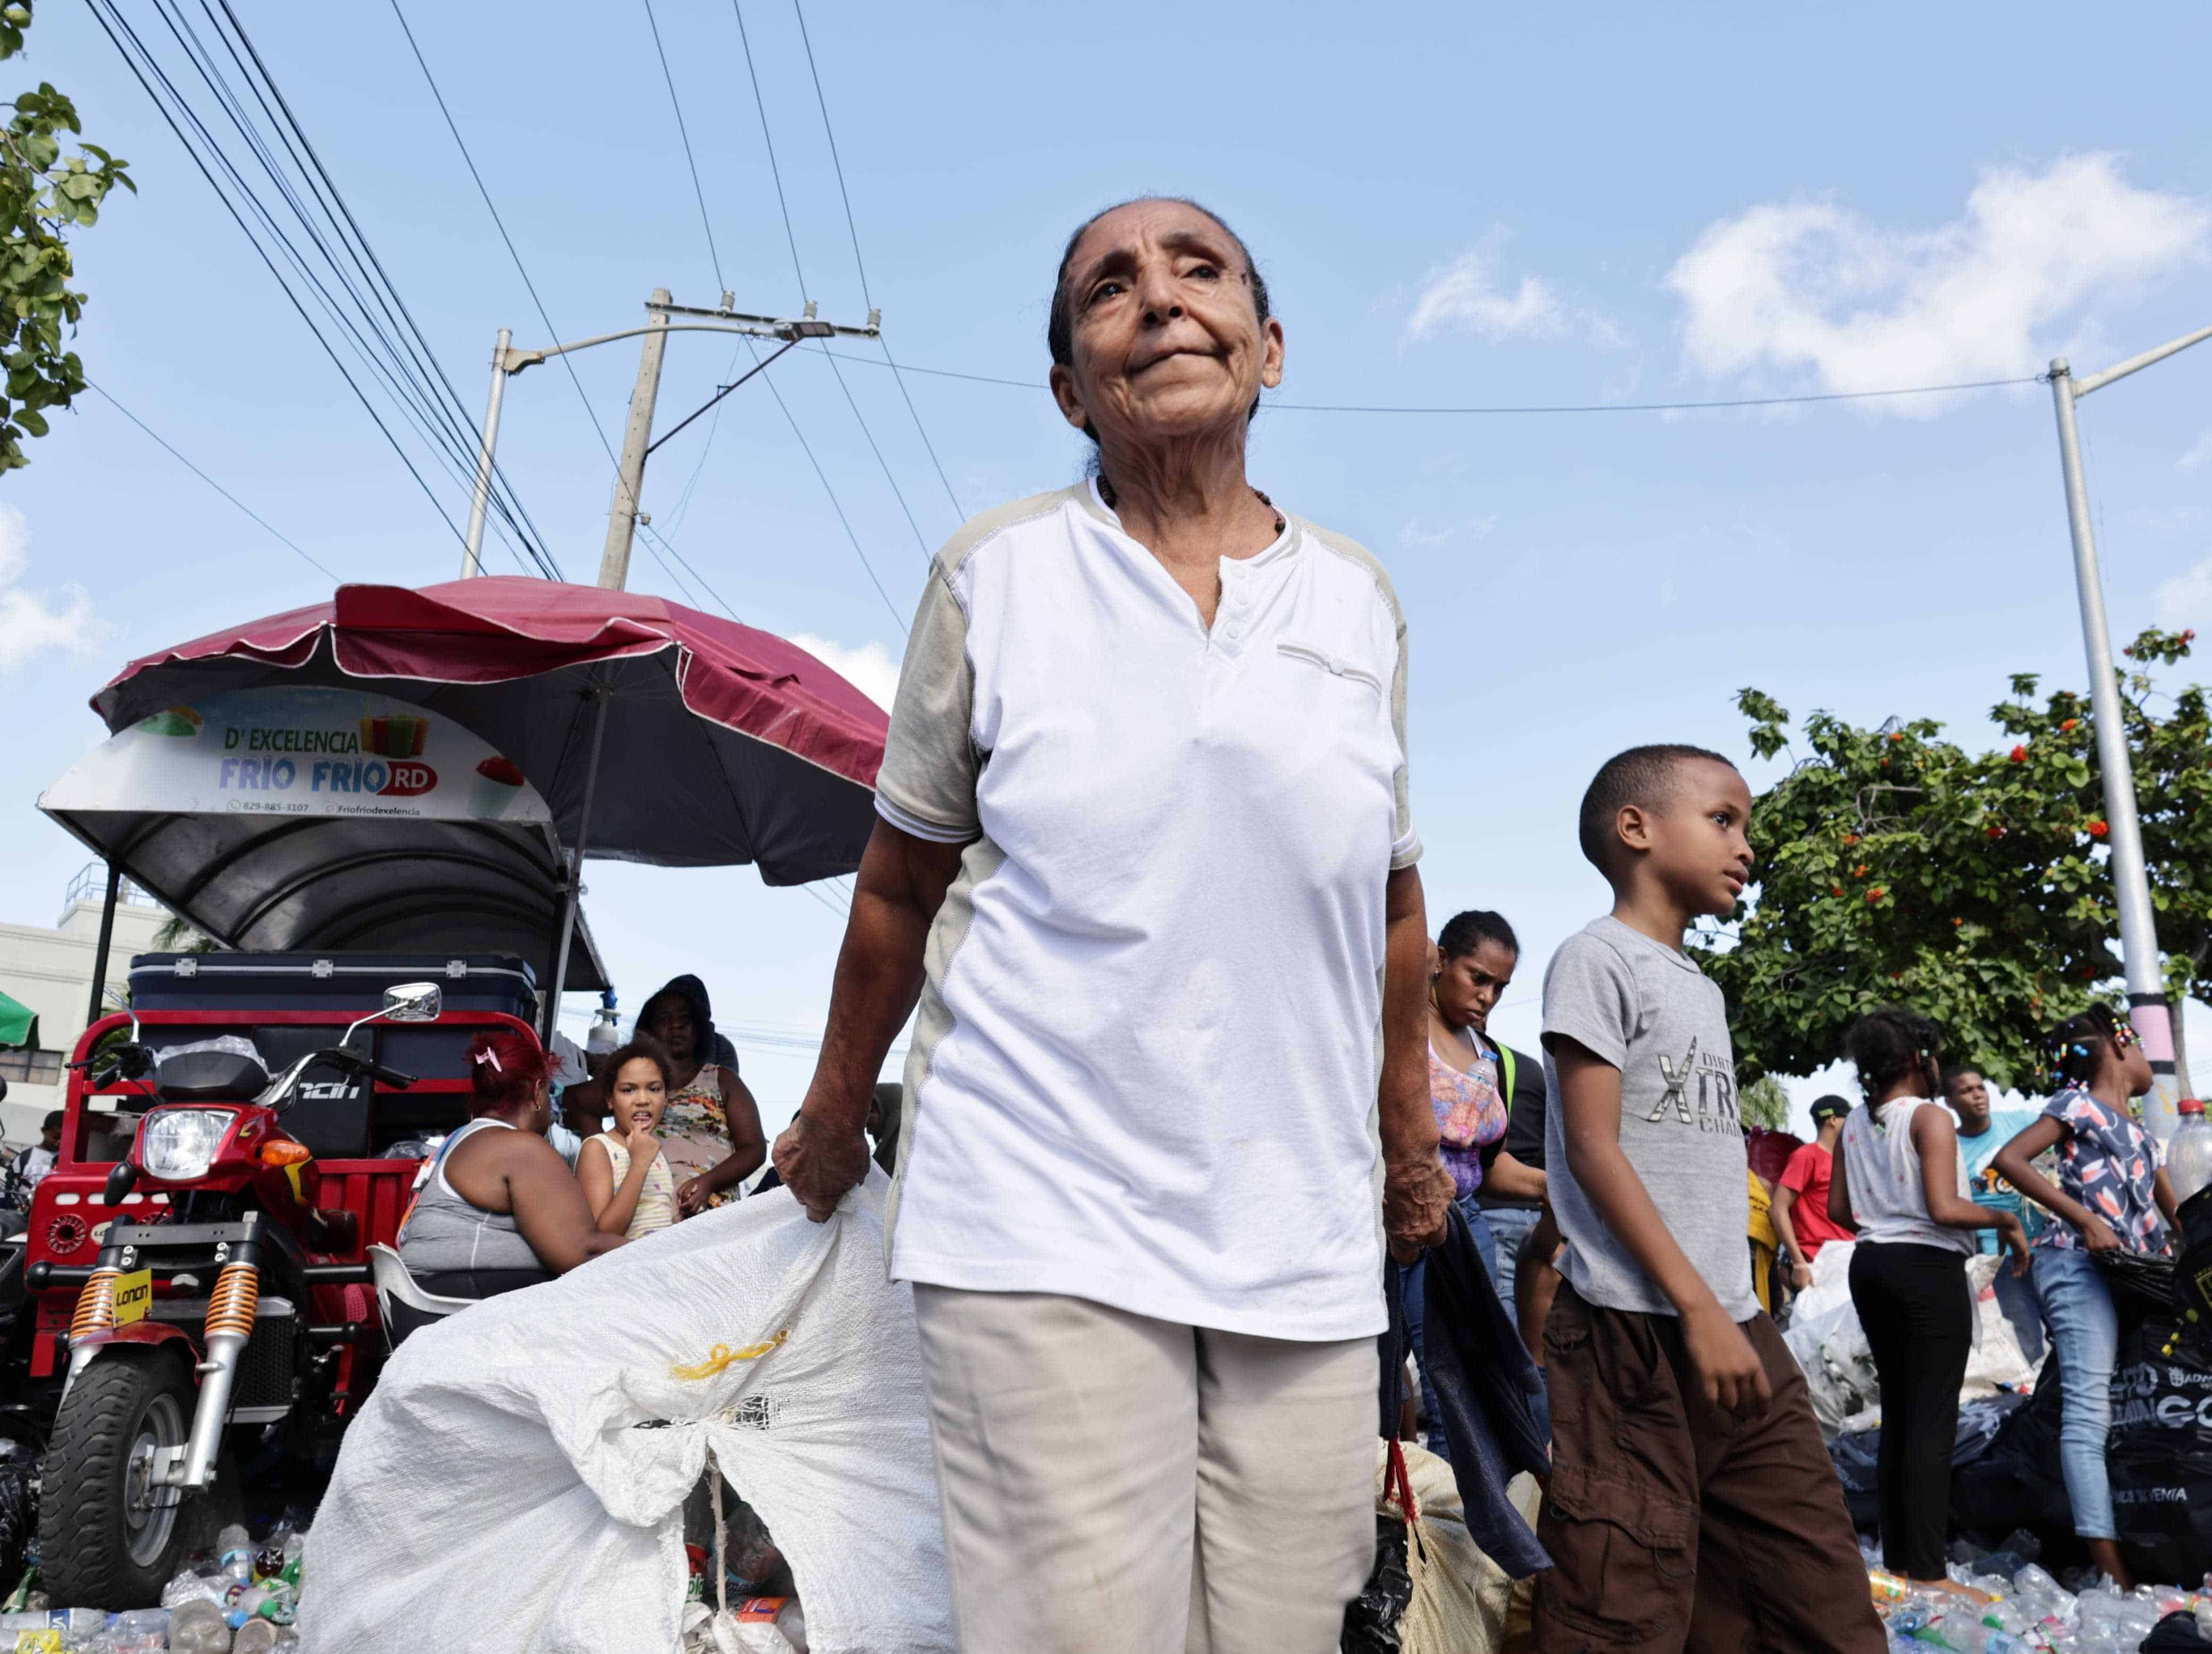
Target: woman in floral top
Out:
[2112,1195]
[1472,966]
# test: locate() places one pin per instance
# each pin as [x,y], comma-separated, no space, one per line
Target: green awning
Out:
[19,1023]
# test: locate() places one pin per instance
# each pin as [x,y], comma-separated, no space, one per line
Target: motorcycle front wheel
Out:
[109,1536]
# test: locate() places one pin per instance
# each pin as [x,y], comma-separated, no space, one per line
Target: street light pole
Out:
[637,443]
[637,436]
[2148,1007]
[472,552]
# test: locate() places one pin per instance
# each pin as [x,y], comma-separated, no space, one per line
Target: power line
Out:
[454,413]
[853,230]
[520,269]
[684,133]
[1529,408]
[209,480]
[118,28]
[834,503]
[377,325]
[774,170]
[897,493]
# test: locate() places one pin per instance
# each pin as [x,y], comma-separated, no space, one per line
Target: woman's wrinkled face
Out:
[638,1095]
[1166,338]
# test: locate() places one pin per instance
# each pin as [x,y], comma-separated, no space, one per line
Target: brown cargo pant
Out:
[1673,1525]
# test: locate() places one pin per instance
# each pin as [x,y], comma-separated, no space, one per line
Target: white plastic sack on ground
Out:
[1997,1359]
[1831,1347]
[1460,1597]
[516,1482]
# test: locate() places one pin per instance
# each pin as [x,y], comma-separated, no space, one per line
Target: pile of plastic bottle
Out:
[2028,1611]
[237,1599]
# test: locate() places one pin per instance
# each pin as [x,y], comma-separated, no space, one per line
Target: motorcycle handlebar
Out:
[390,1077]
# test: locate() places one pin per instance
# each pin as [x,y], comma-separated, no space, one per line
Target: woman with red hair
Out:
[500,1209]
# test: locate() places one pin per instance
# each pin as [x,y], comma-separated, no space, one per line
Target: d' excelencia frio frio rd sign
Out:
[299,751]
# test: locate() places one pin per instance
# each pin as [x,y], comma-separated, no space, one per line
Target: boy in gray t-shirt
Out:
[1692,1502]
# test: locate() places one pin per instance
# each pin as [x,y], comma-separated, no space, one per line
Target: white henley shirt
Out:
[1147,1051]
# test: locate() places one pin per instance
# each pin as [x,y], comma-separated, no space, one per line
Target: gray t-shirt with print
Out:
[1648,1010]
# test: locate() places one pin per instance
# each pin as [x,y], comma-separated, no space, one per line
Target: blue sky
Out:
[1453,206]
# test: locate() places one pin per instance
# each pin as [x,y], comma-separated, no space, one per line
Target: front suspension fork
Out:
[230,1313]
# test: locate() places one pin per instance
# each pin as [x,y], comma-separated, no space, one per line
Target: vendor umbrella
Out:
[654,732]
[19,1023]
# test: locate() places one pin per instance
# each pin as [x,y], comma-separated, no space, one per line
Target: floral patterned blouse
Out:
[1470,1115]
[2109,1162]
[695,1131]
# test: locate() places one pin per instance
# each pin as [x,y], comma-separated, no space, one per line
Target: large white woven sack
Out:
[516,1483]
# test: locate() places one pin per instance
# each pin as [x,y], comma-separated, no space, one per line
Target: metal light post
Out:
[638,445]
[2148,1009]
[472,552]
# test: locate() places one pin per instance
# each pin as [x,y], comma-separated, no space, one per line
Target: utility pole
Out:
[638,443]
[2149,1011]
[622,521]
[472,553]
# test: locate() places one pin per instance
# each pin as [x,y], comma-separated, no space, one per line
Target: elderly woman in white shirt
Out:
[1145,858]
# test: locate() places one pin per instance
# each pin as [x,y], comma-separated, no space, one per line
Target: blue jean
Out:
[1510,1225]
[1415,1292]
[2085,1333]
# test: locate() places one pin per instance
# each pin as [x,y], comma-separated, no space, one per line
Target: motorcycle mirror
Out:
[413,1002]
[3,1088]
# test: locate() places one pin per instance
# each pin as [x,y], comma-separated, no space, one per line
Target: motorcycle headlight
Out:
[177,1144]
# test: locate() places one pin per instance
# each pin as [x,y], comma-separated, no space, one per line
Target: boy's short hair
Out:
[1643,774]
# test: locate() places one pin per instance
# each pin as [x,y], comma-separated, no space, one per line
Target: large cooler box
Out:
[348,983]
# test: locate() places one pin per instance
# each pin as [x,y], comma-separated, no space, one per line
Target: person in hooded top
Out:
[710,1131]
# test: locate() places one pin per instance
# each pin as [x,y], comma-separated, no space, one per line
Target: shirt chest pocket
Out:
[1315,658]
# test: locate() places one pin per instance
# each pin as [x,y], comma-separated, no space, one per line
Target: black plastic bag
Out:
[2159,1452]
[1370,1619]
[2016,1481]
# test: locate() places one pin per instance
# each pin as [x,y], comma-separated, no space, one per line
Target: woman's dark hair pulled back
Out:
[1463,932]
[2073,1050]
[1889,1044]
[1059,320]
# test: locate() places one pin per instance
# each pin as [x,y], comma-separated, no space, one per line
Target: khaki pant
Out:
[1672,1526]
[1117,1485]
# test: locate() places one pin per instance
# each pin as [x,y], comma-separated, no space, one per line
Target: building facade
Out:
[50,970]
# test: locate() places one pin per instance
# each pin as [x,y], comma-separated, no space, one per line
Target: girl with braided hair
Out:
[1898,1174]
[2111,1194]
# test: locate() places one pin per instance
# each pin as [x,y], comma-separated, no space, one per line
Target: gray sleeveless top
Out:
[446,1231]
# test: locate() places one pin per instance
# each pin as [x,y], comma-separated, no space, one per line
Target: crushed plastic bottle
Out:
[234,1550]
[198,1626]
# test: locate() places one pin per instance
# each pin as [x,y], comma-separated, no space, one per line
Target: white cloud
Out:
[1418,535]
[869,669]
[1872,307]
[2199,454]
[32,622]
[2185,601]
[1468,295]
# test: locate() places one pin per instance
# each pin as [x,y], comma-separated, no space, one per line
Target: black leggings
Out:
[1919,1322]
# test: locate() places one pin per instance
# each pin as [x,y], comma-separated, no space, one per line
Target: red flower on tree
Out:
[1876,894]
[2069,726]
[1995,830]
[2098,829]
[2019,754]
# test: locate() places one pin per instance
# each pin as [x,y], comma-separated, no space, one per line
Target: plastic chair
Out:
[396,1285]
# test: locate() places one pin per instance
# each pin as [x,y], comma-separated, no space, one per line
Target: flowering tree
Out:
[1897,868]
